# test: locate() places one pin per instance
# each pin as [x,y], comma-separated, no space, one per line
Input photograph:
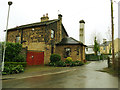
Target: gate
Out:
[35,58]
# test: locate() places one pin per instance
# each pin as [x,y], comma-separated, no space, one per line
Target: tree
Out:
[96,46]
[98,36]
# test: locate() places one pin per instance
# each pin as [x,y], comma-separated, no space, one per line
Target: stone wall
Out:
[38,38]
[73,54]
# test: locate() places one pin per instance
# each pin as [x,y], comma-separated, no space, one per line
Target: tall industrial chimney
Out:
[82,31]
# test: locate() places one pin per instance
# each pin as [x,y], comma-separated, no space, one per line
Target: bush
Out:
[60,64]
[12,51]
[68,60]
[13,69]
[51,64]
[75,63]
[19,58]
[15,63]
[55,58]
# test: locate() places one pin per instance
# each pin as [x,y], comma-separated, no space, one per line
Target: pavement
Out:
[33,71]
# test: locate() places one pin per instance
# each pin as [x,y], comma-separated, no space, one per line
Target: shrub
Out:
[15,63]
[60,64]
[80,63]
[76,63]
[12,50]
[13,69]
[68,60]
[51,64]
[19,58]
[55,58]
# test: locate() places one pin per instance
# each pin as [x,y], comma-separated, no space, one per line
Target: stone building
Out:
[43,39]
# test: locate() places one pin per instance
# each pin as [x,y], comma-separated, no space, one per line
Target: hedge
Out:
[15,63]
[13,67]
[12,52]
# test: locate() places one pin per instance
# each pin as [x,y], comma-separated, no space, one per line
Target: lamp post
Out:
[9,3]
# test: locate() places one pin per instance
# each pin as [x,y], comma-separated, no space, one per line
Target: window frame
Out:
[52,33]
[67,52]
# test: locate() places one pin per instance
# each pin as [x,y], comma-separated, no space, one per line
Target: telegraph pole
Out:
[112,26]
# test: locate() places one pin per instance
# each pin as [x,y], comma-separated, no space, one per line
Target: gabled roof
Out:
[35,24]
[70,41]
[38,24]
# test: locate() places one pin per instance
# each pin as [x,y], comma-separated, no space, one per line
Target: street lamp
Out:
[9,3]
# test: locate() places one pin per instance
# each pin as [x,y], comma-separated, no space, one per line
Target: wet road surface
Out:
[85,76]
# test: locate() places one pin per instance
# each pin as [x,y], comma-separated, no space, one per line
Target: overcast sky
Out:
[95,13]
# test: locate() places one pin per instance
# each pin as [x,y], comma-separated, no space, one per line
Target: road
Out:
[86,76]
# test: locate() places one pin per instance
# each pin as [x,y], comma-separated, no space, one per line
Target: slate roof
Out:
[35,24]
[38,24]
[70,41]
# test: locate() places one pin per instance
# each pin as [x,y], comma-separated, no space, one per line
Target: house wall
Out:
[11,35]
[102,50]
[83,52]
[107,48]
[116,45]
[73,54]
[39,39]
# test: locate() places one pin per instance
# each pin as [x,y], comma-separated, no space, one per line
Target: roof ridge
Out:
[36,23]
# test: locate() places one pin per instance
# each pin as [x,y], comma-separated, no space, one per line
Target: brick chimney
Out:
[45,18]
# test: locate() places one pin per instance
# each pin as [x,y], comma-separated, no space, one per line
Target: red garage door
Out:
[35,58]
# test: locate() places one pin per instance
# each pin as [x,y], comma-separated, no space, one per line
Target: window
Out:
[17,39]
[52,33]
[67,52]
[52,50]
[77,51]
[104,48]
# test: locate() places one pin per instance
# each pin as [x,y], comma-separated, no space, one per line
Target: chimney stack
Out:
[60,17]
[82,31]
[45,18]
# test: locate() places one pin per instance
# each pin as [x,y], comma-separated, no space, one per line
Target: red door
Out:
[35,58]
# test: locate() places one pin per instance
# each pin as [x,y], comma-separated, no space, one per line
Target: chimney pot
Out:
[46,14]
[59,16]
[44,18]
